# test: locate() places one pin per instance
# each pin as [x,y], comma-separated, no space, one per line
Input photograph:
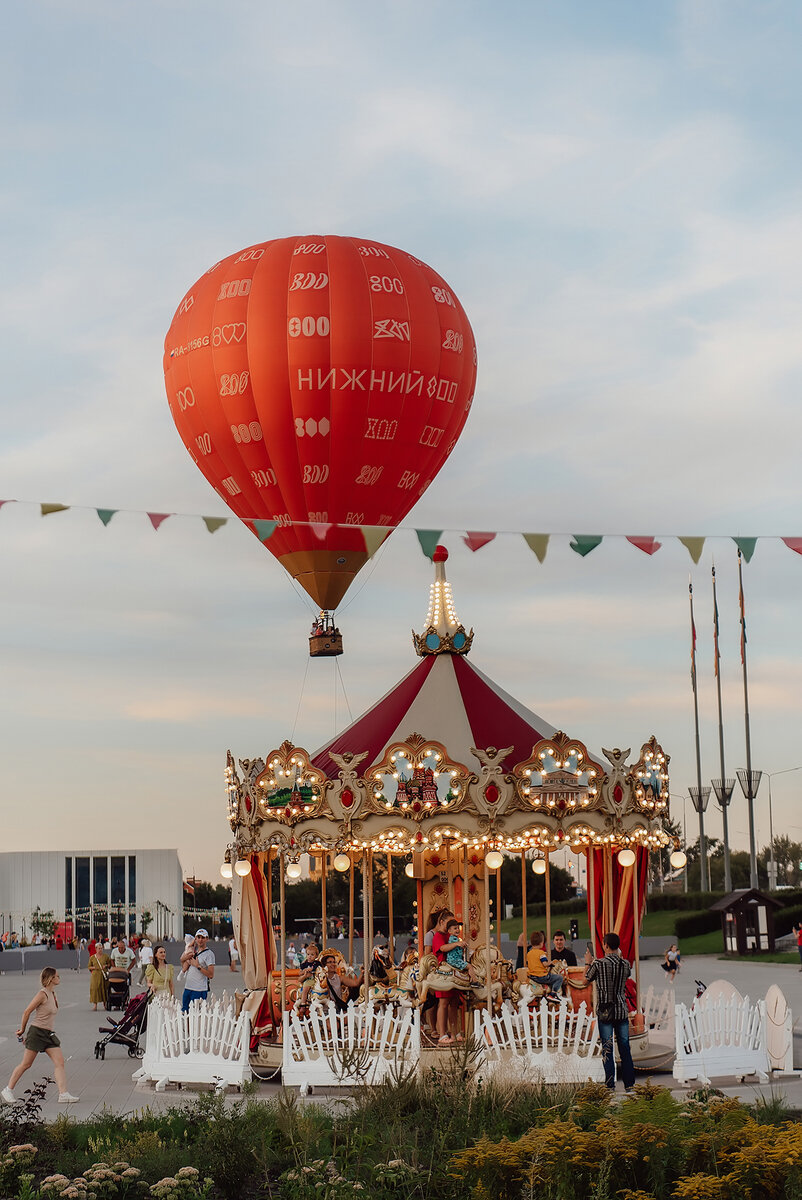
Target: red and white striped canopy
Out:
[445,699]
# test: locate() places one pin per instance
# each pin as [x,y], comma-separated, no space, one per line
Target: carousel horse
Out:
[440,977]
[499,974]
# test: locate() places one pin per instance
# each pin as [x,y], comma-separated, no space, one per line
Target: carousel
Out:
[453,775]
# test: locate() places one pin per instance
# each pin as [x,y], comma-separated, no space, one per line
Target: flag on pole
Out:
[715,628]
[693,637]
[743,612]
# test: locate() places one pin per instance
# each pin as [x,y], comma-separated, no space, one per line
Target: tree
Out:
[43,923]
[147,917]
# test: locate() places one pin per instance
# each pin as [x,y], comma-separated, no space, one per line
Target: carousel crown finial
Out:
[443,633]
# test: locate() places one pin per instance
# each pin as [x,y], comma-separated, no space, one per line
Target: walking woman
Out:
[40,1037]
[159,973]
[99,963]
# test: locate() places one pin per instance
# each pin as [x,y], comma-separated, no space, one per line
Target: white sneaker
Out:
[66,1098]
[8,1096]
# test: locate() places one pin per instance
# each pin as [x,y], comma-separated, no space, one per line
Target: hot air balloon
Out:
[320,383]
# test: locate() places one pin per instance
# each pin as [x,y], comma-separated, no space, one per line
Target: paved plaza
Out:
[107,1083]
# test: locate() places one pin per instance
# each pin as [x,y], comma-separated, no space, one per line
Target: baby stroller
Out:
[128,1030]
[118,982]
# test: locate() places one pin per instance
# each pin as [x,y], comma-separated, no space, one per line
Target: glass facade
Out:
[100,880]
[83,897]
[68,887]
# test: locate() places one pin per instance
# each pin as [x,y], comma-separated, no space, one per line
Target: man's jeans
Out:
[189,996]
[619,1029]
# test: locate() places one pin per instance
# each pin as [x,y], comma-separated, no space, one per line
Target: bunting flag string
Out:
[375,535]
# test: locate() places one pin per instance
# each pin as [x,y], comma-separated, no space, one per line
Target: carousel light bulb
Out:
[539,866]
[294,870]
[226,870]
[341,862]
[494,859]
[678,859]
[243,866]
[626,857]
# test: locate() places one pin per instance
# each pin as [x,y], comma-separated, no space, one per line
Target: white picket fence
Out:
[555,1044]
[209,1044]
[721,1037]
[658,1012]
[362,1045]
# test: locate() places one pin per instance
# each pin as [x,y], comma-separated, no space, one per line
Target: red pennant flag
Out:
[647,544]
[320,529]
[475,541]
[157,518]
[2,502]
[794,544]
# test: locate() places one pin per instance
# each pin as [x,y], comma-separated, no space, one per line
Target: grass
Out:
[777,957]
[655,924]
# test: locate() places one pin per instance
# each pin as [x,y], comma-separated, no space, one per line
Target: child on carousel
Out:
[456,956]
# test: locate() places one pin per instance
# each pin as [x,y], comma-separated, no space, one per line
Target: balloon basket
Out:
[325,645]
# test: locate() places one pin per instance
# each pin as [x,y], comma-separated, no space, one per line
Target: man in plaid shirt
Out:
[610,974]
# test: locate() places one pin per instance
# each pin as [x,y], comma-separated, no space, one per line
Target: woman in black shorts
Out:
[41,1038]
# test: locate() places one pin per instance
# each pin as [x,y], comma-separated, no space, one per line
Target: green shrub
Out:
[786,918]
[692,924]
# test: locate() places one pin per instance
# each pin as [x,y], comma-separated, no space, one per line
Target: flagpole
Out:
[699,800]
[722,786]
[749,789]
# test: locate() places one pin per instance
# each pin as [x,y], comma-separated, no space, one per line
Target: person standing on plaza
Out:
[798,932]
[198,962]
[145,958]
[610,975]
[41,1037]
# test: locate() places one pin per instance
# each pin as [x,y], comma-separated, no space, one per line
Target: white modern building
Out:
[98,891]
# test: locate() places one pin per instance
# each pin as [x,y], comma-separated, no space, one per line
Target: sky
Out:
[614,192]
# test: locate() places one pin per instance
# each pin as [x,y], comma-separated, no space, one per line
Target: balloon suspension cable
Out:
[300,700]
[345,694]
[373,564]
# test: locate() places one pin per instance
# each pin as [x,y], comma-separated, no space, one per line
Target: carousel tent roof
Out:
[447,699]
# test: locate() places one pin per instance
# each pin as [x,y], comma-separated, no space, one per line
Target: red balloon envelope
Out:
[320,380]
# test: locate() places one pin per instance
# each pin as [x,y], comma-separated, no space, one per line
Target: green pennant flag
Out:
[105,514]
[213,523]
[375,537]
[264,530]
[583,543]
[694,546]
[538,543]
[746,546]
[47,509]
[428,539]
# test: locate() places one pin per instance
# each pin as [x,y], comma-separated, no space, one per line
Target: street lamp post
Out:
[772,863]
[750,782]
[724,789]
[699,798]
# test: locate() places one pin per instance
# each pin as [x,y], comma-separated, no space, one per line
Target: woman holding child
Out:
[448,1002]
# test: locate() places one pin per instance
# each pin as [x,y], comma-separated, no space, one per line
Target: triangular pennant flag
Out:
[583,543]
[694,546]
[475,541]
[375,536]
[264,529]
[105,514]
[157,518]
[428,539]
[47,509]
[213,523]
[791,543]
[539,543]
[647,544]
[320,529]
[747,546]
